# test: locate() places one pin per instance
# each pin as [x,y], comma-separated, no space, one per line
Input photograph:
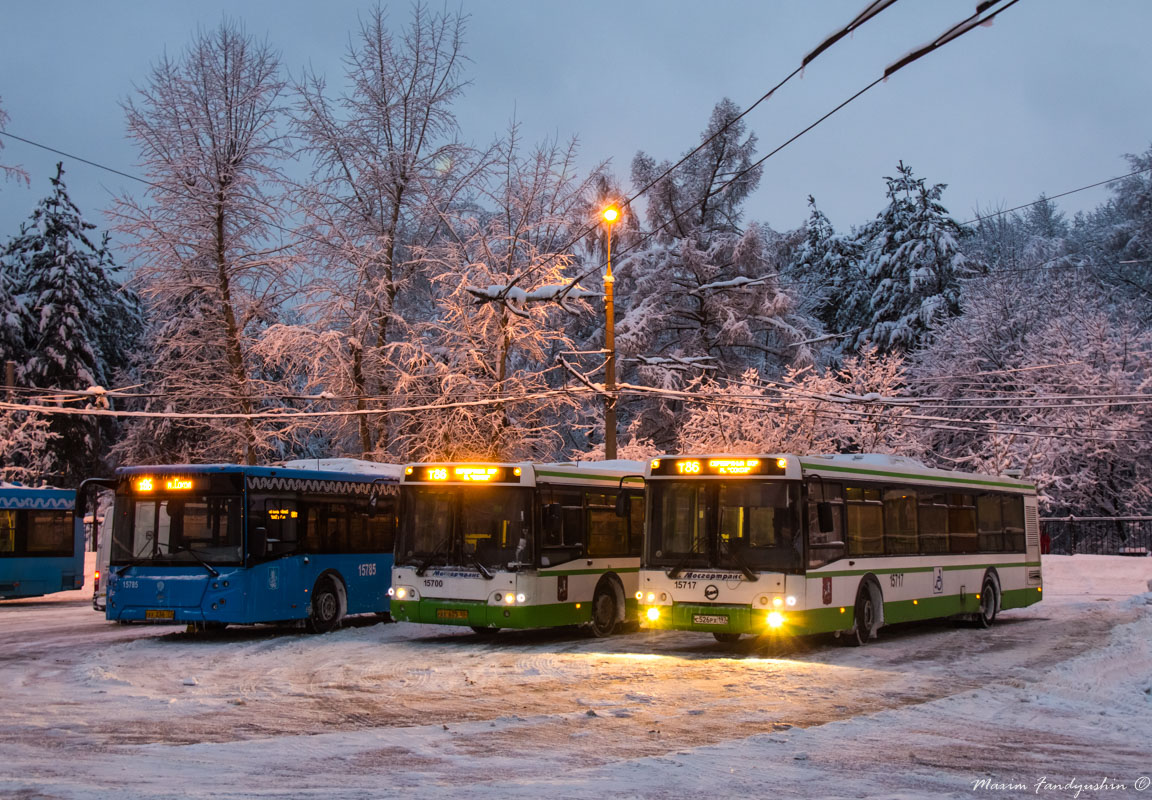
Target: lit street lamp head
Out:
[611,213]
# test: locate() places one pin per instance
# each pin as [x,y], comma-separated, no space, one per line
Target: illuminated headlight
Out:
[406,593]
[639,595]
[653,614]
[401,593]
[775,619]
[777,601]
[790,600]
[391,592]
[651,597]
[509,598]
[520,598]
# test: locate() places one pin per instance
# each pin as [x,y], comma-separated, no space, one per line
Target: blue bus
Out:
[41,543]
[223,544]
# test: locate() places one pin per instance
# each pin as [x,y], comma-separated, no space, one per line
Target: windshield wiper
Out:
[132,562]
[420,570]
[680,565]
[483,569]
[196,556]
[743,565]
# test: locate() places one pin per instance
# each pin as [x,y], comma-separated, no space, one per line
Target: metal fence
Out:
[1106,536]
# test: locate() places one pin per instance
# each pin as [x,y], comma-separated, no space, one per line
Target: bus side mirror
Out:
[623,505]
[258,543]
[824,517]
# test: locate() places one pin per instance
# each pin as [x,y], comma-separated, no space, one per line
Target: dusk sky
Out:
[1047,99]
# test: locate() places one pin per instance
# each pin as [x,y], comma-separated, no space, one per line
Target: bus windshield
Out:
[745,525]
[182,529]
[464,526]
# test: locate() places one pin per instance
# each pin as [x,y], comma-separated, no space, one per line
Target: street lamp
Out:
[611,214]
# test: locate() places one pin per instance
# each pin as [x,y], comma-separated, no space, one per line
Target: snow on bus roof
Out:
[353,465]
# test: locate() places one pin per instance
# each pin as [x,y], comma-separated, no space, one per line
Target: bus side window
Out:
[336,532]
[933,523]
[990,523]
[900,521]
[381,530]
[962,523]
[7,531]
[865,515]
[636,524]
[1013,523]
[49,533]
[564,525]
[607,533]
[825,546]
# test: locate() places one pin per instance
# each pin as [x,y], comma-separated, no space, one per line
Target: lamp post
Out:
[611,214]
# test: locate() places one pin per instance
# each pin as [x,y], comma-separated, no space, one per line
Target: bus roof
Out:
[26,497]
[875,466]
[340,469]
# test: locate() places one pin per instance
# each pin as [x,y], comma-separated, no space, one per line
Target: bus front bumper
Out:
[744,619]
[480,614]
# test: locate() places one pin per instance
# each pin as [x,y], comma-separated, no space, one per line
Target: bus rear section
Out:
[492,546]
[216,545]
[41,542]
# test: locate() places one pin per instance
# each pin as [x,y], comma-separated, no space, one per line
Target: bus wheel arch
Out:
[990,594]
[329,603]
[868,612]
[608,607]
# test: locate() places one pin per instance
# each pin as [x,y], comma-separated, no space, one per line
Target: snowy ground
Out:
[1060,692]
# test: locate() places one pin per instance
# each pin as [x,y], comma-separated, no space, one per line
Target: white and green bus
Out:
[842,544]
[493,546]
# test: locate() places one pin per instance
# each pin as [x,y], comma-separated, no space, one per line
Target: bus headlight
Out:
[777,601]
[407,593]
[401,593]
[790,600]
[651,597]
[653,614]
[520,598]
[775,619]
[509,598]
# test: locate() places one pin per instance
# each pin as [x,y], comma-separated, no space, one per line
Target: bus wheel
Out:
[605,611]
[988,603]
[325,607]
[480,630]
[726,638]
[864,621]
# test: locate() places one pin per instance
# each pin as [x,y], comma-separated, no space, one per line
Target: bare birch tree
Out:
[387,166]
[210,267]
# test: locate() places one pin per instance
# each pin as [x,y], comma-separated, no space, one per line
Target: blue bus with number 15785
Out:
[223,544]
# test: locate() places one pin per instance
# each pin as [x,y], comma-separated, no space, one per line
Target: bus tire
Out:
[726,638]
[325,613]
[605,610]
[989,603]
[864,620]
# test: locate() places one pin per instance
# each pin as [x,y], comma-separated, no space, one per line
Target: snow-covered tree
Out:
[1037,374]
[10,172]
[492,341]
[705,286]
[389,171]
[824,266]
[211,263]
[838,410]
[79,324]
[911,269]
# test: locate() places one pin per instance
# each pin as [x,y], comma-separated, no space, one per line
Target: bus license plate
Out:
[710,619]
[451,613]
[159,614]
